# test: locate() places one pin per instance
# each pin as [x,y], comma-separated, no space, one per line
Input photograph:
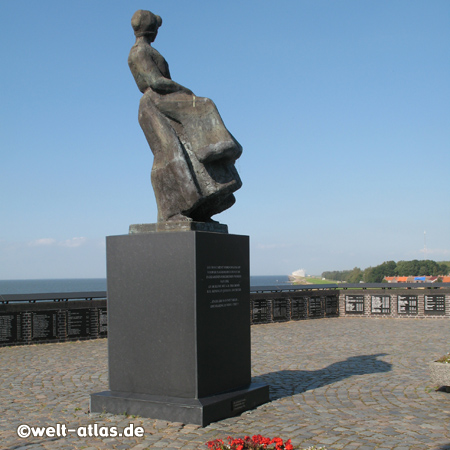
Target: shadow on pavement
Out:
[285,383]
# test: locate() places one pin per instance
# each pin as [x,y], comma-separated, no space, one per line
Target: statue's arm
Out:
[147,75]
[164,85]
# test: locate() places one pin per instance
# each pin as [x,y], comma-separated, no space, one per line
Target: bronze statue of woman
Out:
[193,173]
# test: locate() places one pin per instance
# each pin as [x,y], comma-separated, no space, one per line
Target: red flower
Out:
[259,440]
[217,444]
[256,442]
[278,443]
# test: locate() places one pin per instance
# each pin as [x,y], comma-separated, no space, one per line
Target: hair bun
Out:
[145,22]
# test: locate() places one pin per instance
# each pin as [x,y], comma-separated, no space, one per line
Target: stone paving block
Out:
[357,384]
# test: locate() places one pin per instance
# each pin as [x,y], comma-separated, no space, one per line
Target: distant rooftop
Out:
[418,279]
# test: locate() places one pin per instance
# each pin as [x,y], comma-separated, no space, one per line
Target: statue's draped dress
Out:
[193,170]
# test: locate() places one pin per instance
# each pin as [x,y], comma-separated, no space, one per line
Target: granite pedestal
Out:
[179,327]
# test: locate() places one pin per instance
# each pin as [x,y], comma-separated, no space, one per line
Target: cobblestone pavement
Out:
[342,383]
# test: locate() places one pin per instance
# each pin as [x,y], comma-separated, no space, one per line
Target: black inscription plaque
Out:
[299,308]
[407,304]
[224,285]
[315,307]
[280,309]
[78,323]
[434,304]
[9,327]
[354,304]
[260,311]
[331,306]
[44,326]
[381,304]
[102,322]
[239,405]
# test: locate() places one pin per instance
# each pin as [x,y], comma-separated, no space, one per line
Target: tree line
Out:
[390,269]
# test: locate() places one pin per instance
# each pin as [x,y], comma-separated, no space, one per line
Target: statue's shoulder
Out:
[142,51]
[139,51]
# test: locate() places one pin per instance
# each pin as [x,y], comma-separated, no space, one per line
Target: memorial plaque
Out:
[260,311]
[224,285]
[381,304]
[102,322]
[331,306]
[434,305]
[354,304]
[44,325]
[10,326]
[280,309]
[299,308]
[407,304]
[315,307]
[19,322]
[239,405]
[78,323]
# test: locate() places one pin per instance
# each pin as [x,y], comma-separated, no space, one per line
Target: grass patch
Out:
[312,280]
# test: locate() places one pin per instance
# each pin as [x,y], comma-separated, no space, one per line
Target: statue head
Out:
[145,23]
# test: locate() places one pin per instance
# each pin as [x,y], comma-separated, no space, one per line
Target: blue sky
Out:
[342,108]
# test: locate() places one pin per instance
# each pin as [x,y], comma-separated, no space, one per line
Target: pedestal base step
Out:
[202,411]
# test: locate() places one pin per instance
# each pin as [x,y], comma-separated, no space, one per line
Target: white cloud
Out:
[271,246]
[73,242]
[43,241]
[77,257]
[435,251]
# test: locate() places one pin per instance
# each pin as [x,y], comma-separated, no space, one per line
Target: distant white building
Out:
[299,273]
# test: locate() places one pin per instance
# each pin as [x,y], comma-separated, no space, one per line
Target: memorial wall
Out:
[396,303]
[268,307]
[31,323]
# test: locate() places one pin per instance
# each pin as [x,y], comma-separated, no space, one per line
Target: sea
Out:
[99,284]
